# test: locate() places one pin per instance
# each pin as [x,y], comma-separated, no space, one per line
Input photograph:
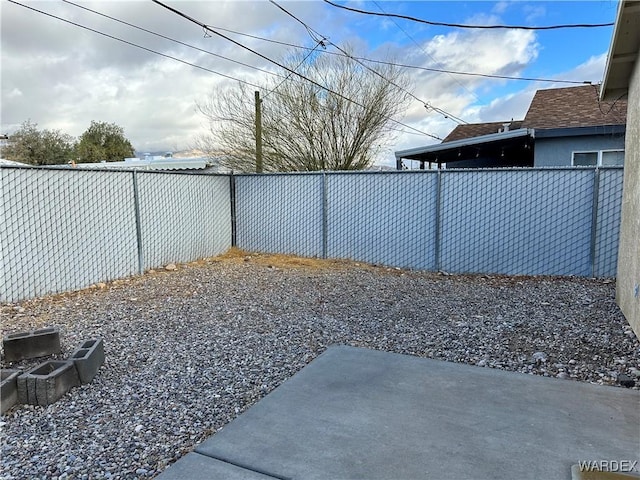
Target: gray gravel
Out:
[188,350]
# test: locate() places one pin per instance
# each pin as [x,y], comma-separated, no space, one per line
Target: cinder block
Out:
[8,389]
[33,344]
[88,358]
[46,383]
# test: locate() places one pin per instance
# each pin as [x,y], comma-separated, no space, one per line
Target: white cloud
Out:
[500,7]
[64,77]
[534,12]
[15,93]
[67,76]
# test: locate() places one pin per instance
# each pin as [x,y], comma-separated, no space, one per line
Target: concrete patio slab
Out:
[195,466]
[357,413]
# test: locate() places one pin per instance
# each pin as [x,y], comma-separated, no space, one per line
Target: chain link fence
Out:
[504,221]
[183,217]
[64,229]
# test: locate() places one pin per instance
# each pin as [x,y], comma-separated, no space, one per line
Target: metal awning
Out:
[423,153]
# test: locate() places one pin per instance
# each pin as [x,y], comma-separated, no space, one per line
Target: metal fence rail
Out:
[64,229]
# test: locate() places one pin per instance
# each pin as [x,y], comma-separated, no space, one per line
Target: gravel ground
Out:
[188,350]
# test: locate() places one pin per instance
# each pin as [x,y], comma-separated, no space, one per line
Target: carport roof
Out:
[493,138]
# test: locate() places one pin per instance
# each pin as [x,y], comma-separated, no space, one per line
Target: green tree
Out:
[39,147]
[305,127]
[103,141]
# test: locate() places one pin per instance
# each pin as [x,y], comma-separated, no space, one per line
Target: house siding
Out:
[556,152]
[628,279]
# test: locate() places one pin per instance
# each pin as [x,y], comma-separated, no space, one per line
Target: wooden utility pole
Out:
[258,134]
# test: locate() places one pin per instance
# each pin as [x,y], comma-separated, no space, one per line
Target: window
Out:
[601,158]
[612,157]
[585,159]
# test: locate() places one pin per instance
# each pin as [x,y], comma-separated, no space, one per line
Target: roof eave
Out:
[623,52]
[613,129]
[493,137]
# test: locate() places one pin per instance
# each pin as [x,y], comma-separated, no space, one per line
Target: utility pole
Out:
[258,134]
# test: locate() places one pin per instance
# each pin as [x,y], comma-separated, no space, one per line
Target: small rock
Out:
[539,357]
[634,371]
[151,271]
[171,267]
[563,375]
[101,285]
[572,362]
[138,428]
[482,363]
[626,380]
[141,471]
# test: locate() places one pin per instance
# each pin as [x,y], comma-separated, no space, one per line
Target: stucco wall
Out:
[628,280]
[556,152]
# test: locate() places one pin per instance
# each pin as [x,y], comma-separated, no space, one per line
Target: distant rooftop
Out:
[573,107]
[471,130]
[565,107]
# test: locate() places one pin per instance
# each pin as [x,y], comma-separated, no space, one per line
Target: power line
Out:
[321,42]
[375,72]
[333,92]
[459,25]
[133,44]
[412,130]
[415,67]
[172,39]
[425,51]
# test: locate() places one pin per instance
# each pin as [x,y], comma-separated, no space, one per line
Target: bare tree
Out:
[306,127]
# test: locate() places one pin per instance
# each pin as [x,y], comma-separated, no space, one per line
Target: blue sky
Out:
[62,77]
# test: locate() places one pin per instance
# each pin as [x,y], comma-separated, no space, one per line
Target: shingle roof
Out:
[471,130]
[555,108]
[573,107]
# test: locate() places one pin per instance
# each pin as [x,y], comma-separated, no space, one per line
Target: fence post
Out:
[438,219]
[594,220]
[136,203]
[232,193]
[325,221]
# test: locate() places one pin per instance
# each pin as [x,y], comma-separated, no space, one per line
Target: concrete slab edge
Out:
[243,466]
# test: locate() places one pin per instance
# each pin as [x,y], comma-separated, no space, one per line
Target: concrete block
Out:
[8,389]
[88,358]
[32,344]
[47,382]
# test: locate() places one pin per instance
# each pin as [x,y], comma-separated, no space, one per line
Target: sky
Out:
[62,77]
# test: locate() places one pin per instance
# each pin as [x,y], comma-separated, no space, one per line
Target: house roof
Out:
[567,107]
[556,111]
[623,52]
[573,107]
[471,130]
